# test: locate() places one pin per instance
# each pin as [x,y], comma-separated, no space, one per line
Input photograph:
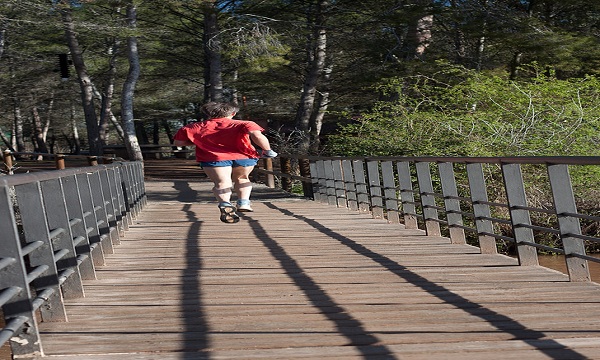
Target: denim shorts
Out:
[232,163]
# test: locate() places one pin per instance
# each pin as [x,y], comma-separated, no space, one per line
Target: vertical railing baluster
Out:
[430,214]
[481,210]
[390,194]
[322,181]
[100,212]
[515,193]
[338,179]
[564,203]
[362,193]
[315,181]
[25,343]
[451,203]
[349,185]
[32,209]
[110,204]
[407,195]
[329,182]
[78,231]
[54,198]
[90,220]
[375,189]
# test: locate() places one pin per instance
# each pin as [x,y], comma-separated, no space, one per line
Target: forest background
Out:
[329,77]
[418,77]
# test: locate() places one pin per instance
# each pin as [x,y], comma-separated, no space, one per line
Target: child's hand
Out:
[268,154]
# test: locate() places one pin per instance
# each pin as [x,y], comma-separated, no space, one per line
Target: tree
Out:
[127,117]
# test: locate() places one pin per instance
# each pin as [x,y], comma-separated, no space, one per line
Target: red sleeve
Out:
[182,134]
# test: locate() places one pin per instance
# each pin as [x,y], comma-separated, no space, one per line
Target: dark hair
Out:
[215,110]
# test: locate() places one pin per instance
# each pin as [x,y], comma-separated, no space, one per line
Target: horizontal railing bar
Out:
[74,221]
[64,275]
[434,207]
[29,248]
[583,237]
[36,272]
[585,257]
[7,261]
[463,213]
[41,298]
[546,211]
[78,240]
[493,219]
[461,198]
[11,328]
[580,216]
[498,236]
[538,228]
[463,227]
[543,247]
[60,254]
[481,202]
[279,173]
[56,232]
[7,294]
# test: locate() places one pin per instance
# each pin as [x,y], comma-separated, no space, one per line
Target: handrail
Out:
[59,159]
[450,196]
[56,228]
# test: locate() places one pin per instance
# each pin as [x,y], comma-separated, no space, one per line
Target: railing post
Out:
[315,181]
[430,213]
[362,194]
[375,189]
[451,203]
[269,167]
[54,198]
[564,203]
[515,193]
[407,195]
[307,187]
[286,168]
[481,210]
[18,309]
[92,160]
[390,193]
[349,185]
[8,162]
[60,161]
[32,209]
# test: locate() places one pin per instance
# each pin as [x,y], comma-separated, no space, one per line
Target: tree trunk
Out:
[131,141]
[418,35]
[315,69]
[321,110]
[18,125]
[167,128]
[85,82]
[107,95]
[38,135]
[6,140]
[212,51]
[76,141]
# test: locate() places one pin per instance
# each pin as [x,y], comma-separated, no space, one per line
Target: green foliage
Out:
[461,112]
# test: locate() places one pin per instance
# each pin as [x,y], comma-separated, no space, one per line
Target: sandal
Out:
[228,214]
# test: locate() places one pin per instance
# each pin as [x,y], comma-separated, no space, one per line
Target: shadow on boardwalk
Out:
[300,280]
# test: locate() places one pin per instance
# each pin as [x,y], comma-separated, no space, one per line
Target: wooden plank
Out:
[301,280]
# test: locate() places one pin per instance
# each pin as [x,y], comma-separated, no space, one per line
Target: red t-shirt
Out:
[220,139]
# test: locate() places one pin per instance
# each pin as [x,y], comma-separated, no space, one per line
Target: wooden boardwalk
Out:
[300,280]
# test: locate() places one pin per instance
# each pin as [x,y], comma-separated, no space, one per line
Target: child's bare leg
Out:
[241,181]
[221,178]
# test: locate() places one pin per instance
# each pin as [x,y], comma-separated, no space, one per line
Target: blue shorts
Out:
[232,163]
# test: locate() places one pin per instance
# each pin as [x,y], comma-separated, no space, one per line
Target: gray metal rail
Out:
[56,227]
[495,199]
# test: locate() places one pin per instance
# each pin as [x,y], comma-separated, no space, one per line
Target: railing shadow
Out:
[534,338]
[352,329]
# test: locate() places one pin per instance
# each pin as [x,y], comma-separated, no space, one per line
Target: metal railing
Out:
[508,200]
[55,228]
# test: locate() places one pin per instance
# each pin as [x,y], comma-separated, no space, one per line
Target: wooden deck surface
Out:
[300,280]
